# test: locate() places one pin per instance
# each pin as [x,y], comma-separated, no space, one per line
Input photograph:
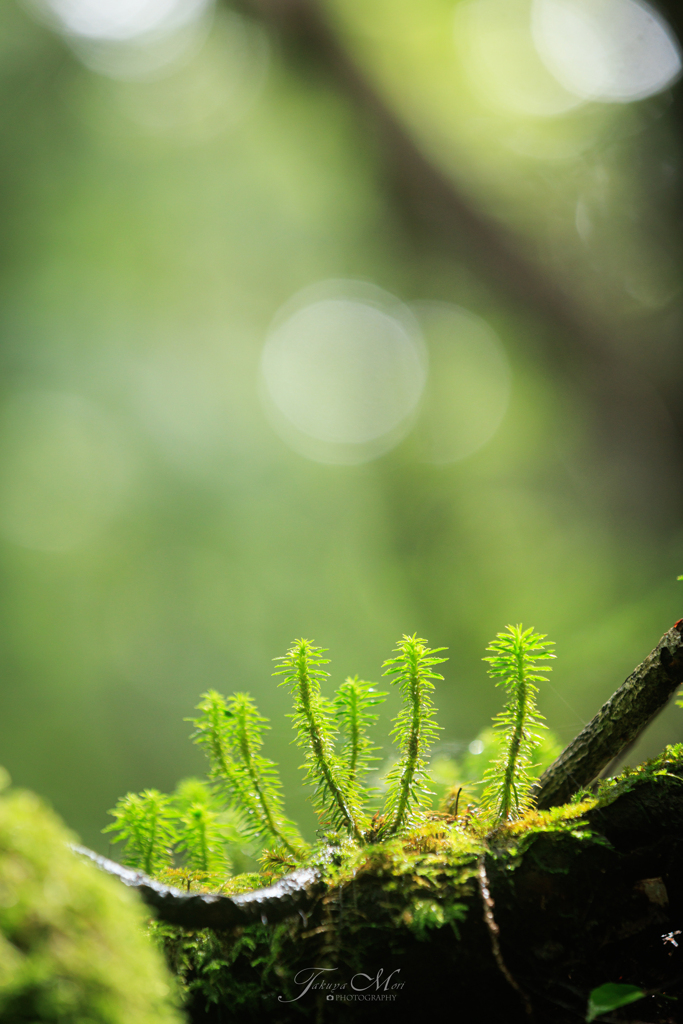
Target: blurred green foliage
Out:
[158,538]
[72,941]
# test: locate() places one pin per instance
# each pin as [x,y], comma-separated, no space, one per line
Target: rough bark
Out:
[619,720]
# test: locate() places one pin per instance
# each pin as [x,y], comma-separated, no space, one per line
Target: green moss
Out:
[668,763]
[420,889]
[399,880]
[203,961]
[427,860]
[425,915]
[72,944]
[426,880]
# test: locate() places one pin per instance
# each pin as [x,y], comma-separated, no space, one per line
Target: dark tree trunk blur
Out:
[631,397]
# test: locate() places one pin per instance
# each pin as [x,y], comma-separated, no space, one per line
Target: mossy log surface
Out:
[578,901]
[574,910]
[510,925]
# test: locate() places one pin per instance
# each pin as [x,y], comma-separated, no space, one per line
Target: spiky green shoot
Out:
[414,729]
[202,840]
[353,703]
[146,823]
[211,734]
[515,660]
[231,734]
[337,802]
[233,843]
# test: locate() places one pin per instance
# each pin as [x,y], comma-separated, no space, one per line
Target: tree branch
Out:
[294,894]
[628,711]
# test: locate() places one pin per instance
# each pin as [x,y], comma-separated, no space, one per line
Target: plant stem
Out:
[247,758]
[413,748]
[509,789]
[318,747]
[354,736]
[149,852]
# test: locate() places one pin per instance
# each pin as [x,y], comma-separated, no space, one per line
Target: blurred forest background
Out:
[329,318]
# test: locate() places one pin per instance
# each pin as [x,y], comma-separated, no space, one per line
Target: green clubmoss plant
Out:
[516,657]
[336,796]
[231,733]
[415,729]
[201,839]
[242,800]
[354,704]
[146,823]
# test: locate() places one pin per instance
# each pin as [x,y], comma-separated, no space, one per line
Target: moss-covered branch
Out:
[292,894]
[618,721]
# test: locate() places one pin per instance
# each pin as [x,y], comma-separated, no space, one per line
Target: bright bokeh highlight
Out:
[503,68]
[122,19]
[130,40]
[615,51]
[344,366]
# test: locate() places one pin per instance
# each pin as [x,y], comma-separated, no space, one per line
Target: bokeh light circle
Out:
[201,95]
[615,51]
[343,370]
[129,40]
[503,68]
[119,19]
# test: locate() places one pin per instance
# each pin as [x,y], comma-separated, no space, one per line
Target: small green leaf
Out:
[609,997]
